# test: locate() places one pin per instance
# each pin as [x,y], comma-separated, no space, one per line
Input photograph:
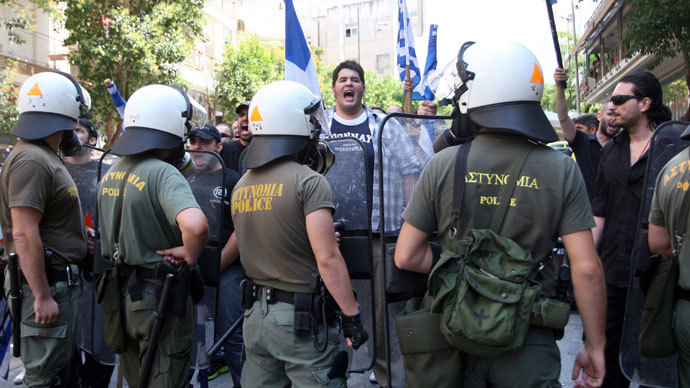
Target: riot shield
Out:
[664,145]
[404,147]
[91,316]
[348,180]
[209,189]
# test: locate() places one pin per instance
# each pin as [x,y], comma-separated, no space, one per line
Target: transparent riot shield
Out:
[91,316]
[404,146]
[664,145]
[348,180]
[208,186]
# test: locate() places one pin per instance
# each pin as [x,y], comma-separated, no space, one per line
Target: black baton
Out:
[224,338]
[16,309]
[158,322]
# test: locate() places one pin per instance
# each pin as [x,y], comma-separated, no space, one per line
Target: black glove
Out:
[354,330]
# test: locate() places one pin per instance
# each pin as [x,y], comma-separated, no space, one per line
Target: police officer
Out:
[503,106]
[159,219]
[664,220]
[40,214]
[290,207]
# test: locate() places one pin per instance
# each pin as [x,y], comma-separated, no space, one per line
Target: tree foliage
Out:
[660,28]
[21,17]
[245,68]
[135,43]
[8,95]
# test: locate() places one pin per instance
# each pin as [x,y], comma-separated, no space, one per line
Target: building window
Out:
[350,30]
[383,62]
[382,26]
[240,25]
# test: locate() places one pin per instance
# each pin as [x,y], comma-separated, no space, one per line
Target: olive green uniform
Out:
[269,207]
[155,193]
[672,185]
[549,200]
[34,176]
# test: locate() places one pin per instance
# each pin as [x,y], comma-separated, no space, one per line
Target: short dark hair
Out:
[589,120]
[352,65]
[89,128]
[645,84]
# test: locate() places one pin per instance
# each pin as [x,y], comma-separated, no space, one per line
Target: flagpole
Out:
[408,93]
[554,36]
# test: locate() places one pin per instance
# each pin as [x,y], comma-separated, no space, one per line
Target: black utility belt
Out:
[186,282]
[55,275]
[313,311]
[311,303]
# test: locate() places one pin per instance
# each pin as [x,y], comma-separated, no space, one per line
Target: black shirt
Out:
[231,153]
[618,195]
[588,154]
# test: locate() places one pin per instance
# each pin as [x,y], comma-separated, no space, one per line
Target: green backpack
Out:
[485,291]
[484,287]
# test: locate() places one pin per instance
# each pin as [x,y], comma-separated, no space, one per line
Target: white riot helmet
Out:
[284,117]
[500,87]
[49,102]
[158,117]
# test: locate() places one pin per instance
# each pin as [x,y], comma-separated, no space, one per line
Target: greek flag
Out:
[429,83]
[299,66]
[406,52]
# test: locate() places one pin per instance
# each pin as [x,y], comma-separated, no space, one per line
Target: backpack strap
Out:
[117,214]
[458,187]
[681,223]
[508,189]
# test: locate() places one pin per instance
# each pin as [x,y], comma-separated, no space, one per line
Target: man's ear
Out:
[219,147]
[93,141]
[645,104]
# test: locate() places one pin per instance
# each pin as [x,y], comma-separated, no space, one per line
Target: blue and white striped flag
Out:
[5,353]
[406,52]
[429,83]
[299,66]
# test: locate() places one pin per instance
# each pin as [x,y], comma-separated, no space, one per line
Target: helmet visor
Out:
[37,125]
[264,149]
[138,139]
[524,117]
[199,114]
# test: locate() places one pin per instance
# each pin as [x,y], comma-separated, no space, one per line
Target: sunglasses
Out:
[623,98]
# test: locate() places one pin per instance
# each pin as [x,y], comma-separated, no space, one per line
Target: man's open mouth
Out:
[349,93]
